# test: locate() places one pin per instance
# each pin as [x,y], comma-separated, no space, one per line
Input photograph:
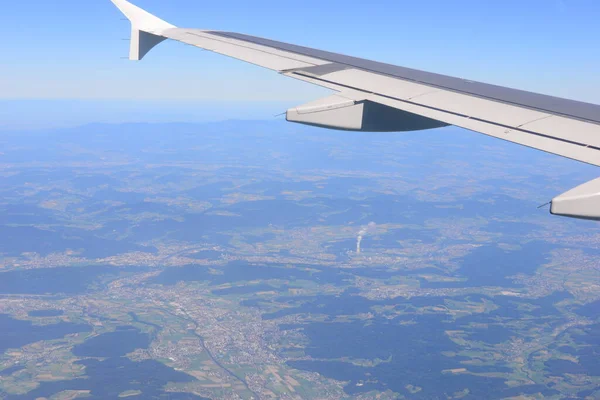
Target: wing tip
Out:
[146,29]
[141,19]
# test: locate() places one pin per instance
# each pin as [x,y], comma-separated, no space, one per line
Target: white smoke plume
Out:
[362,233]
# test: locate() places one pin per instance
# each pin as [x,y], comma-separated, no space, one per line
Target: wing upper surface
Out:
[565,127]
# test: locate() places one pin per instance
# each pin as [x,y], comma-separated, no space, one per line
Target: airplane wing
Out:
[377,97]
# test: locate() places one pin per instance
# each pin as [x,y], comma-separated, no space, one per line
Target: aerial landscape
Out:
[264,260]
[387,200]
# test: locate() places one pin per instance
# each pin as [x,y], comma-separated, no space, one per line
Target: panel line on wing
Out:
[425,94]
[536,120]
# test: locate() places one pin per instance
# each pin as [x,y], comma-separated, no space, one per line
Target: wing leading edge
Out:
[374,96]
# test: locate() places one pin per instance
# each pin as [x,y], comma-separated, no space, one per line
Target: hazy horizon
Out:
[41,114]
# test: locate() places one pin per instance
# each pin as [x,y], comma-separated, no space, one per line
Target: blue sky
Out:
[71,50]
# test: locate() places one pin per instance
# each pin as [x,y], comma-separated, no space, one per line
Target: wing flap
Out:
[545,143]
[475,107]
[567,129]
[579,140]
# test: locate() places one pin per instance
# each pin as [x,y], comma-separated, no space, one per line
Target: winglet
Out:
[146,29]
